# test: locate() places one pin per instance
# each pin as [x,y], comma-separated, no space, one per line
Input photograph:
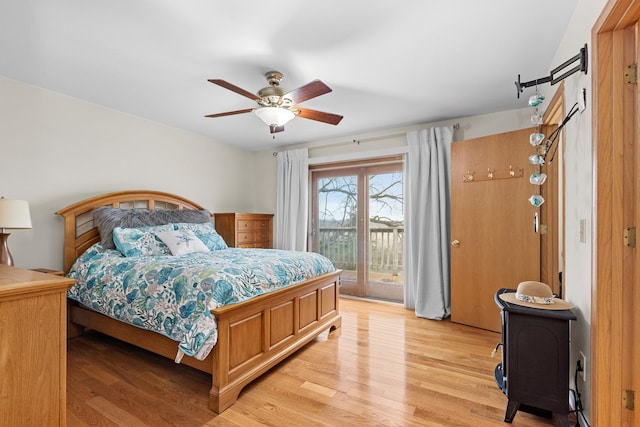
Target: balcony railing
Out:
[386,248]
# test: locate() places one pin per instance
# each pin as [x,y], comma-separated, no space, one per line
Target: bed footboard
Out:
[254,337]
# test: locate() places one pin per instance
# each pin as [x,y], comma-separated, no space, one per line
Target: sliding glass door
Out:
[358,223]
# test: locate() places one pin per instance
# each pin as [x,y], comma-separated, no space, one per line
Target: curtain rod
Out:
[357,141]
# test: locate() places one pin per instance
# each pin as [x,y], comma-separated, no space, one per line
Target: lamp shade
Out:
[14,214]
[274,116]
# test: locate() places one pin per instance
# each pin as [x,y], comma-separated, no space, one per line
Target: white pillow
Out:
[182,241]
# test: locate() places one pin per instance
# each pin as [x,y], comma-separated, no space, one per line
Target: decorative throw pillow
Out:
[141,241]
[182,242]
[106,218]
[205,232]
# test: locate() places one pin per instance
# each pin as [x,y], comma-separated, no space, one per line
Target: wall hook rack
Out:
[493,174]
[553,78]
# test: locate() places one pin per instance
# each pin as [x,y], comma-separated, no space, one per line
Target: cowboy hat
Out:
[536,295]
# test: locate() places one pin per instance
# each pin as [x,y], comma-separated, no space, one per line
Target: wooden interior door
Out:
[494,244]
[632,351]
[615,318]
[630,215]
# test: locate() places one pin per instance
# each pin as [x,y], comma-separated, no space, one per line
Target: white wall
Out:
[579,187]
[57,150]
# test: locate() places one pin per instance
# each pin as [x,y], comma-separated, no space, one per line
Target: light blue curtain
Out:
[292,200]
[427,222]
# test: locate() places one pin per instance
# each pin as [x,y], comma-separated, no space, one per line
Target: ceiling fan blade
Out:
[319,116]
[274,129]
[225,84]
[231,113]
[308,91]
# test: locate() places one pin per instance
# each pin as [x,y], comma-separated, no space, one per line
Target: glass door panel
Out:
[386,234]
[336,232]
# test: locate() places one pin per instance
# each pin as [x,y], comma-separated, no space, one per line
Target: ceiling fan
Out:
[276,106]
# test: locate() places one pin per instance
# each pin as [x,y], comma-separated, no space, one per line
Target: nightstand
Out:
[33,325]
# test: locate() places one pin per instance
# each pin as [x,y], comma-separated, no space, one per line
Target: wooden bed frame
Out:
[253,336]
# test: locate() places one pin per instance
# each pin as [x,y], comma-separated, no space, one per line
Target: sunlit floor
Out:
[382,286]
[384,367]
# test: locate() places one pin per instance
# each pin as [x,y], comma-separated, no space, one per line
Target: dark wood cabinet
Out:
[534,372]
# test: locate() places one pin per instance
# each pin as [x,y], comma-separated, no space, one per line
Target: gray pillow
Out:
[106,218]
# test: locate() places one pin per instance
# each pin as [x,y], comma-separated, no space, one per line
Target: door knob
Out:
[455,243]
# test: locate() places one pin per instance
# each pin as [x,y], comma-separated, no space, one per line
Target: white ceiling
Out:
[390,64]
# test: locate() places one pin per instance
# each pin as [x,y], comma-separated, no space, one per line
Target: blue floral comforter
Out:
[173,295]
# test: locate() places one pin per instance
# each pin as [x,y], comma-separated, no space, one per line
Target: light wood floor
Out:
[385,367]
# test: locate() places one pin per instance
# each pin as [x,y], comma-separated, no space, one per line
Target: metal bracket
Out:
[631,74]
[628,399]
[629,236]
[552,78]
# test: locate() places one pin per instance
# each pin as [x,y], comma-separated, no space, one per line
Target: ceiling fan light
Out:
[274,116]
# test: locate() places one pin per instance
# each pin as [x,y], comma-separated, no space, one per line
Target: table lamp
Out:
[13,214]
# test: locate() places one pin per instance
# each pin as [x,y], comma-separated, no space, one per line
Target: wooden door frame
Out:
[549,211]
[362,286]
[610,302]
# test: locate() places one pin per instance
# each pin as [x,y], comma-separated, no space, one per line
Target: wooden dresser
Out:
[245,230]
[33,347]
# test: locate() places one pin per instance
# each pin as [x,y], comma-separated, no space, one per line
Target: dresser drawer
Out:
[251,224]
[243,225]
[243,238]
[261,236]
[258,236]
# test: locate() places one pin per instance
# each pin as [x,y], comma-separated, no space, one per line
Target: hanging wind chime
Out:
[537,138]
[537,158]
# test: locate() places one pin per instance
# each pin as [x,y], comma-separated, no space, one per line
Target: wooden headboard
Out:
[80,231]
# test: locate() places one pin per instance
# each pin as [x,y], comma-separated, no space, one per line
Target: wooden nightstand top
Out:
[19,283]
